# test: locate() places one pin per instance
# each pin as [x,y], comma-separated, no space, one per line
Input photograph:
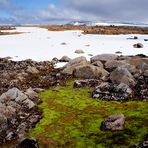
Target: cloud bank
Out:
[68,10]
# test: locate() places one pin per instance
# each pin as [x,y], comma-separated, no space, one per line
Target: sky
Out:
[59,11]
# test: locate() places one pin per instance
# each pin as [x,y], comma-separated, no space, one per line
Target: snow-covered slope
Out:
[40,44]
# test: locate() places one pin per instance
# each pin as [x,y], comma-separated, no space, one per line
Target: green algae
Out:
[71,118]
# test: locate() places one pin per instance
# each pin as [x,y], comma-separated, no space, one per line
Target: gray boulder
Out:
[90,72]
[15,96]
[114,122]
[122,75]
[104,57]
[113,64]
[72,64]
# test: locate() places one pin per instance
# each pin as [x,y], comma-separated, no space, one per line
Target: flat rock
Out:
[104,57]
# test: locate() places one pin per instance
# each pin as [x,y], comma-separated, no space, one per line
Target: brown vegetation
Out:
[100,29]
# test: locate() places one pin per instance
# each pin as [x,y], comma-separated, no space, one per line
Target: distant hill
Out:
[104,23]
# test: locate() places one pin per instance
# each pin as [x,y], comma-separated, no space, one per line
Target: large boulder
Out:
[90,72]
[104,57]
[113,64]
[114,122]
[122,75]
[72,64]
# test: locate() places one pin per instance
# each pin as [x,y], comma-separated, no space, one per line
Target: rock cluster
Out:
[114,77]
[26,74]
[17,114]
[19,86]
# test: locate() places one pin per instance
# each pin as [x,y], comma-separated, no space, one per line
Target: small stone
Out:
[63,43]
[65,59]
[114,122]
[138,45]
[79,51]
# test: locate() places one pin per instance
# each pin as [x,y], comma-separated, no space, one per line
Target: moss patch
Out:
[71,118]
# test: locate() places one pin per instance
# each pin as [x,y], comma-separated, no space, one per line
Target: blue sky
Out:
[55,11]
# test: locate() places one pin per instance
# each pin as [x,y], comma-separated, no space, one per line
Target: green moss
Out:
[71,118]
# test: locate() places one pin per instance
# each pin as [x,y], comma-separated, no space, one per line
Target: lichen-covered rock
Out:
[110,91]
